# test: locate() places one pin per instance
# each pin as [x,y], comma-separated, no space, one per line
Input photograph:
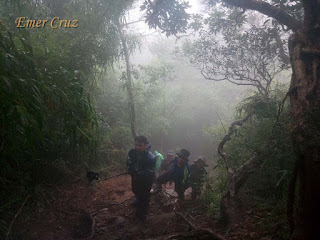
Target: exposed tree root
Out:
[174,236]
[200,230]
[92,228]
[15,217]
[191,210]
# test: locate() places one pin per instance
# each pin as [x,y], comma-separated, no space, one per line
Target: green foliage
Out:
[49,124]
[168,15]
[216,186]
[266,132]
[248,58]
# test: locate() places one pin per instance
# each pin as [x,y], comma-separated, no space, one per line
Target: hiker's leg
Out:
[180,188]
[134,183]
[195,193]
[142,211]
[143,198]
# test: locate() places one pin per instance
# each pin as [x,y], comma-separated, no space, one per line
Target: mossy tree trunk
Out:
[304,46]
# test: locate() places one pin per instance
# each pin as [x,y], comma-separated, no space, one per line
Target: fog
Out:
[193,103]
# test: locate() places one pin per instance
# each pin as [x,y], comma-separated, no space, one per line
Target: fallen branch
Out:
[311,51]
[113,204]
[92,228]
[118,175]
[173,236]
[194,227]
[199,206]
[15,217]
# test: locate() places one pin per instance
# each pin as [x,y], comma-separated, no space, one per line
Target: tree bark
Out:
[305,128]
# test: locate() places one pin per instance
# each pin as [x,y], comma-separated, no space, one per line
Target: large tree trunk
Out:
[305,129]
[304,47]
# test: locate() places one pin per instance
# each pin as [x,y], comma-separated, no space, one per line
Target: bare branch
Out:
[15,217]
[115,176]
[194,227]
[267,9]
[227,137]
[311,51]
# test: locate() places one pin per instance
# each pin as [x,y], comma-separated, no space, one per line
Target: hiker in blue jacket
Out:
[178,173]
[140,165]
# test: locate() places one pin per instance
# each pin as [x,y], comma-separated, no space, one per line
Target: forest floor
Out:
[103,210]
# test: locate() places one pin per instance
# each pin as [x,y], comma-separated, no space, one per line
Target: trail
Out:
[103,210]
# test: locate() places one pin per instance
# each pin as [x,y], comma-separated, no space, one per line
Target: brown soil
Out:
[103,210]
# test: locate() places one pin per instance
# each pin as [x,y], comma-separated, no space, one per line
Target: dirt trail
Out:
[103,210]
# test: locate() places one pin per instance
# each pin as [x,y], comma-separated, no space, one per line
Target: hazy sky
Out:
[148,35]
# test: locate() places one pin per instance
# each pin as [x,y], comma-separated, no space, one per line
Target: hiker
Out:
[165,166]
[159,159]
[197,176]
[140,165]
[178,173]
[168,162]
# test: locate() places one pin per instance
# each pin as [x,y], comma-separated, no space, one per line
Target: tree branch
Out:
[204,230]
[115,176]
[227,138]
[15,217]
[311,51]
[267,9]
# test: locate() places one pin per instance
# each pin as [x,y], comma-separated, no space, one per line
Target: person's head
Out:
[141,143]
[170,155]
[201,162]
[183,156]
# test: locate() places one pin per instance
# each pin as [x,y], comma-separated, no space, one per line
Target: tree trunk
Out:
[230,205]
[231,209]
[129,83]
[305,128]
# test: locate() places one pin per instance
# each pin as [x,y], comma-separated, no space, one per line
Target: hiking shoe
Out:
[155,190]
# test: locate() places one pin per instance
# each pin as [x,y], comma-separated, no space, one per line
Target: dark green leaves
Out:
[168,15]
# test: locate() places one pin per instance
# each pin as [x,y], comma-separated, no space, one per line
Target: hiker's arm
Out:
[166,177]
[131,163]
[150,165]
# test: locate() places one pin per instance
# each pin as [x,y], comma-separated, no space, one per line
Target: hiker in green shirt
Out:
[159,160]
